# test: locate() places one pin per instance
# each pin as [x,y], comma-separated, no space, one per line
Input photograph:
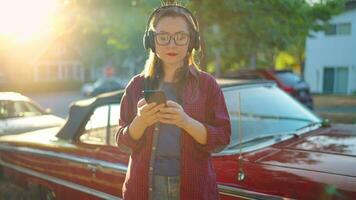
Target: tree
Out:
[252,33]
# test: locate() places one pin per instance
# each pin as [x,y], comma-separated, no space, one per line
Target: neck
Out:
[169,71]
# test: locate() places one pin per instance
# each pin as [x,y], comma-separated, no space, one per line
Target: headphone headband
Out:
[148,38]
[195,21]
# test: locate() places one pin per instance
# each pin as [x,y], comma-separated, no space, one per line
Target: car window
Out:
[8,109]
[101,126]
[13,109]
[288,78]
[265,111]
[3,110]
[25,109]
[31,110]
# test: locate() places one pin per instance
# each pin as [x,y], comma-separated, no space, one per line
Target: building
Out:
[59,63]
[330,65]
[54,64]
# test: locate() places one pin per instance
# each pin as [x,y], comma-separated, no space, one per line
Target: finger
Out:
[153,120]
[171,103]
[148,107]
[169,110]
[154,109]
[167,116]
[167,121]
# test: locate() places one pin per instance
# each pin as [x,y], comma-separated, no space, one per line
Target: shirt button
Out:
[153,148]
[151,168]
[150,189]
[156,129]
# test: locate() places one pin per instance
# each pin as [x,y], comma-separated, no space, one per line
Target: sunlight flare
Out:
[24,20]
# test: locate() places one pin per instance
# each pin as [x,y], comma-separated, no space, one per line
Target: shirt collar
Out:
[193,71]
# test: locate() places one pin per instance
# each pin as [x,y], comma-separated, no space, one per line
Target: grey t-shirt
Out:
[167,162]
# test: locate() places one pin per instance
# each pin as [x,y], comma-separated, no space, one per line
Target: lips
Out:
[171,54]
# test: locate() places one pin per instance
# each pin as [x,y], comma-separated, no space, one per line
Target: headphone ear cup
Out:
[194,41]
[151,41]
[148,40]
[145,41]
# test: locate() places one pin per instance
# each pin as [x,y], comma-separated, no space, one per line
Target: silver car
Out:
[19,113]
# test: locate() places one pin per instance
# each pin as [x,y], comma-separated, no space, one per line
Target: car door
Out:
[108,166]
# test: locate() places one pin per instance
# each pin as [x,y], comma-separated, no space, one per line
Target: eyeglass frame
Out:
[172,36]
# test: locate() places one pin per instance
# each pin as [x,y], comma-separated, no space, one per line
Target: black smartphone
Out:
[157,96]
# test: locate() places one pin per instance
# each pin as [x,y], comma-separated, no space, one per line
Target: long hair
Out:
[153,71]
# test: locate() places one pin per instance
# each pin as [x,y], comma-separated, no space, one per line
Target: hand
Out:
[147,114]
[174,114]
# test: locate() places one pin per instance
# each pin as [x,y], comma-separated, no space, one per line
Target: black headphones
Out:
[148,37]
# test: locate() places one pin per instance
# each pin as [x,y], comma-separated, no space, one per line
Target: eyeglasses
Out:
[180,38]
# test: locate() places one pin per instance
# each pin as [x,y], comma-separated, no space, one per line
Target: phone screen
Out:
[157,96]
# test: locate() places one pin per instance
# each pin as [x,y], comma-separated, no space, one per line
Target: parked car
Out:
[101,86]
[279,150]
[19,113]
[87,89]
[285,79]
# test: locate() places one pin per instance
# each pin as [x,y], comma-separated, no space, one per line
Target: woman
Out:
[171,144]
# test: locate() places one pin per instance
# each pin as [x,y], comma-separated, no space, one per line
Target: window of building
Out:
[344,29]
[330,29]
[338,29]
[335,80]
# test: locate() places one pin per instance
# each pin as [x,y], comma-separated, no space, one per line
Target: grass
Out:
[336,108]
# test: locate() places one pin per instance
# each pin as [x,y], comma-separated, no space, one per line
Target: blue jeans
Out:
[166,187]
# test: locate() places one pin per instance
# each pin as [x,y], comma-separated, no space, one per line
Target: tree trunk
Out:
[253,59]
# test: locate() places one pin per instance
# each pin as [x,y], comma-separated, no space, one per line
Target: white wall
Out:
[334,50]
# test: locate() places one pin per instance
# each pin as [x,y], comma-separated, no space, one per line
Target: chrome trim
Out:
[224,190]
[60,181]
[82,160]
[245,194]
[249,85]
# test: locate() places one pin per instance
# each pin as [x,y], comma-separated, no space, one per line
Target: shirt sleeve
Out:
[127,113]
[218,124]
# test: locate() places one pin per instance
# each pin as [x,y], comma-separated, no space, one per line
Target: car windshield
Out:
[288,78]
[13,109]
[265,111]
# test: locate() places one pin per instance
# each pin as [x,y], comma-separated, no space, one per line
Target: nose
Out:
[171,42]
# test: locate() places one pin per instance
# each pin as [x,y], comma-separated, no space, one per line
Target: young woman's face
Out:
[172,40]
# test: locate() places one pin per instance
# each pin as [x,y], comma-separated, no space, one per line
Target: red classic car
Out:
[279,150]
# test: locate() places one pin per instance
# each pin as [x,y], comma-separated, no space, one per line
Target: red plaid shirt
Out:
[198,178]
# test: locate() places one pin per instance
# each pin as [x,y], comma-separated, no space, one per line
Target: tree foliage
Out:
[243,33]
[246,30]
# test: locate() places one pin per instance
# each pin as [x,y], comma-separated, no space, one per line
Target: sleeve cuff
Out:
[127,142]
[212,136]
